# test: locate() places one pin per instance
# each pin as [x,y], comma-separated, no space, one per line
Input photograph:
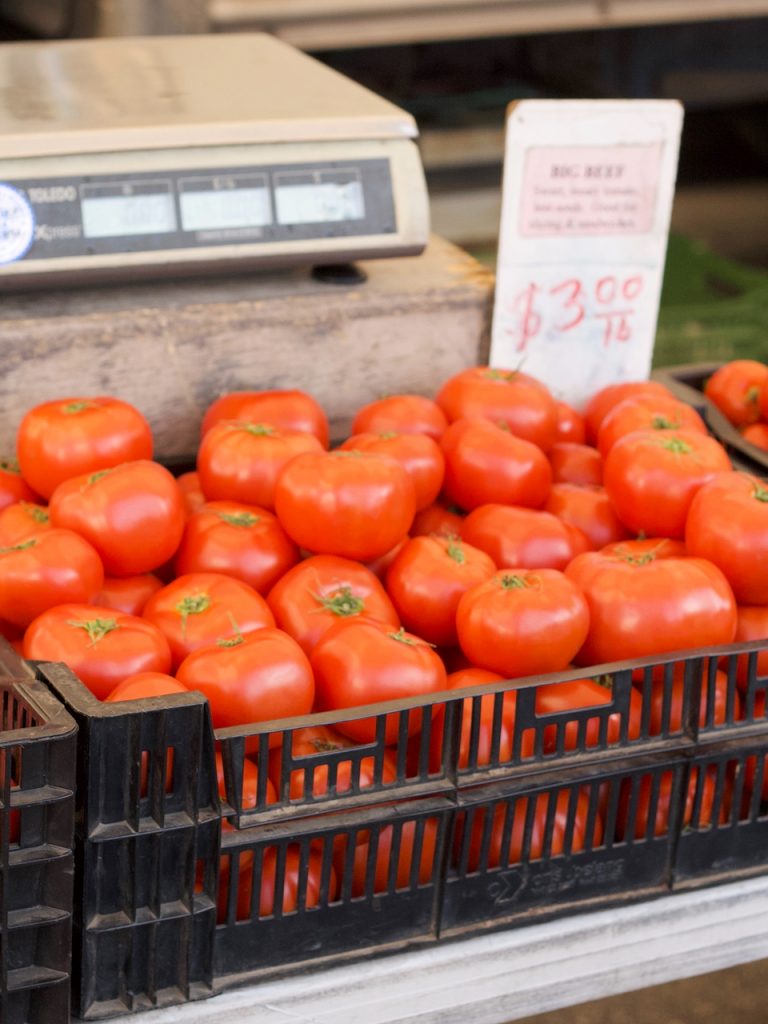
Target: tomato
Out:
[55,567]
[519,538]
[250,784]
[287,410]
[363,662]
[752,624]
[418,454]
[407,849]
[12,487]
[133,515]
[659,547]
[253,678]
[438,519]
[589,508]
[101,646]
[647,412]
[571,425]
[522,623]
[294,878]
[575,464]
[237,540]
[509,397]
[663,800]
[240,461]
[584,693]
[200,608]
[380,566]
[486,464]
[649,605]
[9,631]
[145,684]
[192,491]
[319,739]
[518,811]
[756,434]
[404,414]
[652,476]
[128,594]
[728,524]
[78,437]
[674,699]
[604,400]
[735,389]
[22,520]
[323,590]
[351,504]
[426,581]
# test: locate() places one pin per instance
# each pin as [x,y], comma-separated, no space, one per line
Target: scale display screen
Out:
[218,206]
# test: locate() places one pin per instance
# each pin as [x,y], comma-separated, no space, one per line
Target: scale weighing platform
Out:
[130,158]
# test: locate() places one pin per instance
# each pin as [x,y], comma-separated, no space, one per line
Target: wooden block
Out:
[171,348]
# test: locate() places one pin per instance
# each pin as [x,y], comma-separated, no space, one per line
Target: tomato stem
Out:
[605,680]
[98,476]
[258,429]
[512,582]
[246,519]
[36,512]
[19,547]
[455,551]
[96,629]
[73,408]
[10,466]
[760,493]
[752,395]
[231,641]
[507,375]
[191,605]
[662,423]
[387,435]
[341,602]
[412,641]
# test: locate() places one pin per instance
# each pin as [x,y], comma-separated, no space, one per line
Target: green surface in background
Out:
[712,309]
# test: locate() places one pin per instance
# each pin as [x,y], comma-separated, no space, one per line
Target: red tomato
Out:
[127,594]
[12,486]
[519,538]
[320,739]
[405,414]
[52,568]
[756,434]
[380,566]
[200,608]
[676,690]
[438,519]
[237,540]
[293,878]
[426,581]
[659,547]
[589,508]
[145,684]
[575,464]
[584,693]
[728,524]
[352,504]
[323,590]
[518,811]
[666,604]
[418,454]
[78,437]
[647,412]
[384,854]
[133,515]
[601,403]
[239,461]
[288,410]
[22,520]
[192,491]
[571,425]
[250,784]
[101,646]
[508,397]
[652,476]
[254,678]
[735,389]
[752,624]
[522,623]
[486,464]
[663,800]
[363,662]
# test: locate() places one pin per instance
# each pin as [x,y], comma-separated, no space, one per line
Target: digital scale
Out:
[130,158]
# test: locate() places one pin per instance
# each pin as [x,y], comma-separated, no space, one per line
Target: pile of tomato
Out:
[488,534]
[739,389]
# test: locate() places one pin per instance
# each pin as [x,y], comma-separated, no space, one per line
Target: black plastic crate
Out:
[37,807]
[687,383]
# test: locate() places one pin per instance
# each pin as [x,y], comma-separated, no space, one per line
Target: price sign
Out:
[588,189]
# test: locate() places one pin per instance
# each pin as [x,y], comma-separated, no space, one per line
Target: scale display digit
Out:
[234,201]
[319,197]
[127,208]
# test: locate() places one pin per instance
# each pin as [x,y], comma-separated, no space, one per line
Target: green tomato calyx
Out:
[246,519]
[341,602]
[96,629]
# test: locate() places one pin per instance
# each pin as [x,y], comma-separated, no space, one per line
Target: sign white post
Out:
[587,199]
